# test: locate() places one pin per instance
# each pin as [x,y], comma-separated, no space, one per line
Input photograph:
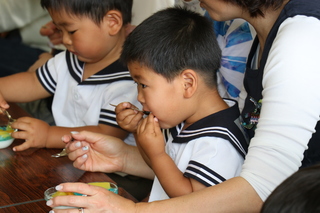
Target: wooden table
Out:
[24,176]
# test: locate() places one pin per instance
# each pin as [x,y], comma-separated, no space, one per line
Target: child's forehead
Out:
[66,19]
[139,70]
[137,65]
[60,14]
[67,15]
[142,73]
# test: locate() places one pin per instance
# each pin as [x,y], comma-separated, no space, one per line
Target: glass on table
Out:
[52,192]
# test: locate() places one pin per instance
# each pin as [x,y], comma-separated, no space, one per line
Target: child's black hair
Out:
[172,40]
[299,193]
[94,9]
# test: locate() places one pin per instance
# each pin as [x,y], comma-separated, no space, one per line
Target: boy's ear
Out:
[190,82]
[113,19]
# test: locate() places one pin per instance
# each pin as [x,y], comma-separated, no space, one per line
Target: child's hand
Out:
[128,118]
[150,137]
[95,152]
[32,130]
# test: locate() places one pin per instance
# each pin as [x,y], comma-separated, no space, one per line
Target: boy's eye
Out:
[143,85]
[71,32]
[139,84]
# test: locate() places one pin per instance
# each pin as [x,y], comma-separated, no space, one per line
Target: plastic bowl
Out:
[107,185]
[52,192]
[5,136]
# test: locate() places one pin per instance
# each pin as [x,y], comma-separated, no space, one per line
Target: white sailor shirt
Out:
[83,103]
[210,151]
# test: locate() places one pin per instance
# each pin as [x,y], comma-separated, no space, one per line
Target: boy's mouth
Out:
[146,112]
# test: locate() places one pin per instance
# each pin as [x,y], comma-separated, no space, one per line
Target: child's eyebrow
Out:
[136,77]
[62,24]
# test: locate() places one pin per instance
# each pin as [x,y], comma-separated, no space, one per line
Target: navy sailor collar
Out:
[114,72]
[224,124]
[207,126]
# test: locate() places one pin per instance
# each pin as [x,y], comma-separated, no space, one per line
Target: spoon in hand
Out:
[144,112]
[60,154]
[11,120]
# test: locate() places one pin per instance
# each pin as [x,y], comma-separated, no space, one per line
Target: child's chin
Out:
[164,126]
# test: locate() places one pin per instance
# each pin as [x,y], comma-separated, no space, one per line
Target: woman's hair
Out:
[257,7]
[173,40]
[94,9]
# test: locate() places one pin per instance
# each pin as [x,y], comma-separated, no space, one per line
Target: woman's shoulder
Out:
[300,24]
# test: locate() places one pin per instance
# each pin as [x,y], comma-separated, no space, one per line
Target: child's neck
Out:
[93,68]
[207,104]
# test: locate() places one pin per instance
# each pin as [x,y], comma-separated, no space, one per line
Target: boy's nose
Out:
[140,97]
[66,40]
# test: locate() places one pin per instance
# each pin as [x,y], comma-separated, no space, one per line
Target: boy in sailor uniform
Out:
[84,79]
[192,138]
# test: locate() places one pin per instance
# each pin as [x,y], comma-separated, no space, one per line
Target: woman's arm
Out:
[290,105]
[234,195]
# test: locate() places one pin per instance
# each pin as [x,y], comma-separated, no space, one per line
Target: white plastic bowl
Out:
[5,137]
[6,143]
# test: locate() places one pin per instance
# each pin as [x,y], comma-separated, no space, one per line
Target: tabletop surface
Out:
[24,176]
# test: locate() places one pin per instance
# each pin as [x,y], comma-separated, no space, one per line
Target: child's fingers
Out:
[149,124]
[21,134]
[136,118]
[126,115]
[21,147]
[66,138]
[123,106]
[156,124]
[142,126]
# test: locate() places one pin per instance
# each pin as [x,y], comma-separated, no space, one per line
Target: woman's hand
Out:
[96,152]
[97,200]
[3,104]
[50,30]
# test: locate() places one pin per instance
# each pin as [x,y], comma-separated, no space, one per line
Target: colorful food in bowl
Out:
[52,192]
[107,185]
[5,136]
